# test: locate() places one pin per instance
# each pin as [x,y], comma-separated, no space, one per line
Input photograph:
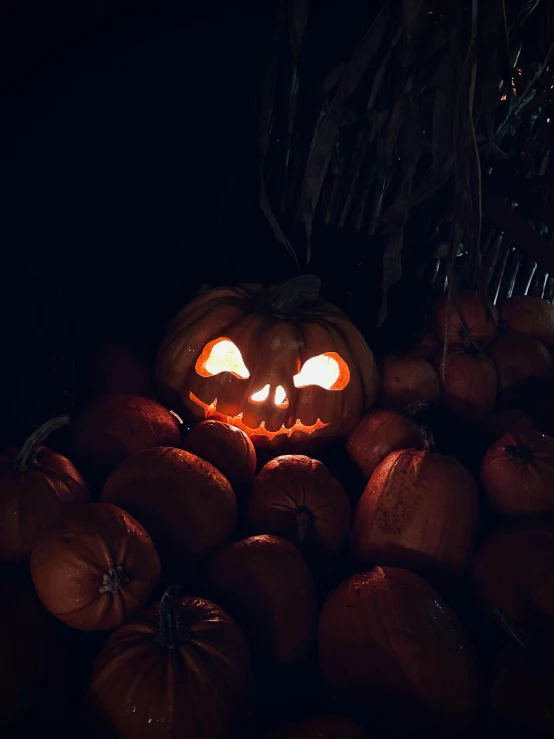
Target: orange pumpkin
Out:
[287,368]
[33,667]
[518,357]
[38,486]
[469,382]
[97,569]
[319,727]
[108,428]
[525,314]
[405,380]
[517,474]
[265,584]
[377,435]
[419,510]
[390,646]
[227,447]
[481,319]
[180,668]
[185,504]
[296,497]
[513,574]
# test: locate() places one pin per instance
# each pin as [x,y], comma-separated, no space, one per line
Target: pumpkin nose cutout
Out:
[281,400]
[260,395]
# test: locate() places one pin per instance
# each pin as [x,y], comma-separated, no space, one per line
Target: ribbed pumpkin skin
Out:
[513,573]
[419,510]
[378,434]
[388,644]
[186,505]
[265,584]
[518,357]
[227,447]
[517,474]
[525,314]
[200,690]
[482,331]
[32,501]
[97,569]
[110,427]
[273,350]
[297,498]
[469,383]
[319,727]
[406,379]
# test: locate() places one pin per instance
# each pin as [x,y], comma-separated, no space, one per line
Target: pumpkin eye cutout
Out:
[327,370]
[219,356]
[260,396]
[281,400]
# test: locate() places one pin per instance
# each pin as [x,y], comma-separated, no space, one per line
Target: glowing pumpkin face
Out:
[288,380]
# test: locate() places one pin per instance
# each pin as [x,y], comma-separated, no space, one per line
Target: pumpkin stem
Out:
[303,518]
[519,453]
[293,293]
[26,456]
[114,580]
[429,444]
[171,630]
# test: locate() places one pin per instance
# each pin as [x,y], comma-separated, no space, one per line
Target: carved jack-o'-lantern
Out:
[282,365]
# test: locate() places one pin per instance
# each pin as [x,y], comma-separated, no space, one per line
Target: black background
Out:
[129,179]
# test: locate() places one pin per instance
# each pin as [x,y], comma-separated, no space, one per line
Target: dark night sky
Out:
[128,180]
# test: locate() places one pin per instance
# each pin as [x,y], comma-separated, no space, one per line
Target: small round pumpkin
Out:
[296,497]
[405,380]
[186,505]
[390,646]
[33,667]
[513,574]
[319,727]
[180,668]
[525,314]
[227,447]
[419,510]
[97,569]
[109,427]
[289,369]
[265,584]
[517,474]
[38,486]
[481,319]
[378,434]
[469,382]
[518,357]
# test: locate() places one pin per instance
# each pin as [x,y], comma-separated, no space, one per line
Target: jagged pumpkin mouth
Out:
[210,411]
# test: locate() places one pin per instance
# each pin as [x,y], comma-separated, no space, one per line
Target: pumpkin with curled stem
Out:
[37,487]
[282,365]
[180,668]
[526,314]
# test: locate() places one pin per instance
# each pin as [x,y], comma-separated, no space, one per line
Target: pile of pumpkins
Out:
[208,585]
